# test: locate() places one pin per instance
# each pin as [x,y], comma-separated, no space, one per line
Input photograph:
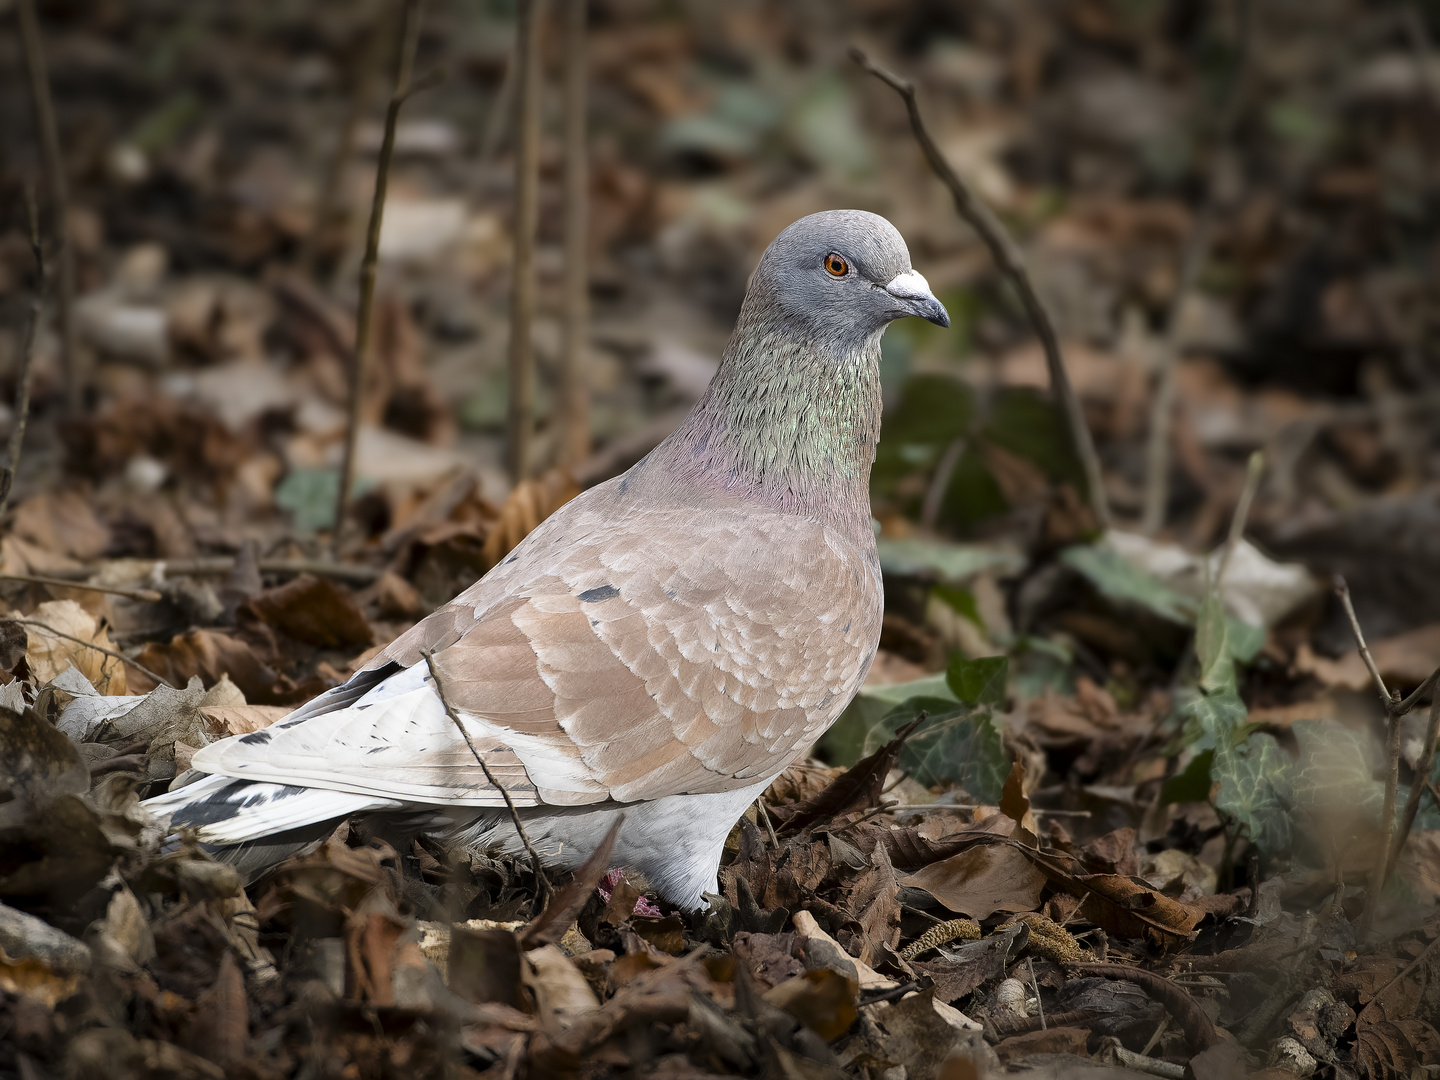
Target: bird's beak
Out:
[912,288]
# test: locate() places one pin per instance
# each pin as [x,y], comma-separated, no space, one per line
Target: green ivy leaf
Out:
[1212,646]
[956,745]
[1336,764]
[1192,784]
[1211,720]
[959,600]
[1121,581]
[978,682]
[1255,789]
[942,559]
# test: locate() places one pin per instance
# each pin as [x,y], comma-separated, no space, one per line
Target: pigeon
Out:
[663,646]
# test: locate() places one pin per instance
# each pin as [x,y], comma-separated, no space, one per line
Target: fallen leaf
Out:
[62,521]
[37,764]
[964,968]
[1055,1040]
[224,720]
[859,785]
[559,989]
[48,654]
[871,904]
[312,610]
[823,1000]
[982,880]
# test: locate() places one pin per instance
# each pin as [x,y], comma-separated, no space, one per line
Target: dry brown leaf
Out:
[982,880]
[1130,909]
[1015,804]
[823,1000]
[530,503]
[1055,1040]
[1405,660]
[871,904]
[560,990]
[62,521]
[48,654]
[223,720]
[212,654]
[312,610]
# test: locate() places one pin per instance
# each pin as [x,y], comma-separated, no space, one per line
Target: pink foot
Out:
[608,884]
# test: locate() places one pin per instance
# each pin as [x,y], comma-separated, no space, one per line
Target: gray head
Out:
[845,275]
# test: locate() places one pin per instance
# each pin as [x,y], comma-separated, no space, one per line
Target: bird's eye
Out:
[836,266]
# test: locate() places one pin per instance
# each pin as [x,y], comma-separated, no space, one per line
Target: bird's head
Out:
[845,275]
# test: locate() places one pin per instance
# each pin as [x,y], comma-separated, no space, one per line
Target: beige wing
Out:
[646,658]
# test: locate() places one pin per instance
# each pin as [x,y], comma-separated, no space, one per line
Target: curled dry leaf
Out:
[312,610]
[37,764]
[48,653]
[823,1000]
[982,880]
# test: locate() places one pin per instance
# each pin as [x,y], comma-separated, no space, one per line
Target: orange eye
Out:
[836,266]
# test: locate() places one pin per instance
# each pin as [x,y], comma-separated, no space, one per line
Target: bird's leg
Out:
[611,881]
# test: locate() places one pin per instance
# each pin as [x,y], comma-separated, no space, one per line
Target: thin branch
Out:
[1417,787]
[409,36]
[1395,709]
[330,208]
[1035,985]
[159,680]
[148,595]
[1342,590]
[34,52]
[218,566]
[574,392]
[502,106]
[764,816]
[27,354]
[940,482]
[521,406]
[1254,470]
[1011,261]
[544,882]
[1192,259]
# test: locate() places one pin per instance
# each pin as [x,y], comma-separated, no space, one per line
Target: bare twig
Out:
[159,680]
[1417,788]
[148,595]
[1342,590]
[409,36]
[1011,261]
[1192,259]
[1395,708]
[540,877]
[329,208]
[59,192]
[764,816]
[1375,1001]
[574,393]
[502,106]
[27,354]
[1253,471]
[940,482]
[1034,985]
[218,566]
[521,406]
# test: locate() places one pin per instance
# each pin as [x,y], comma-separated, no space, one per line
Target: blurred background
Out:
[204,142]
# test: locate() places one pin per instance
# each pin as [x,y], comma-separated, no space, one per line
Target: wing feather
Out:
[663,652]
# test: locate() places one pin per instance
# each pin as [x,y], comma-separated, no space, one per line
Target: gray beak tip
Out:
[914,290]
